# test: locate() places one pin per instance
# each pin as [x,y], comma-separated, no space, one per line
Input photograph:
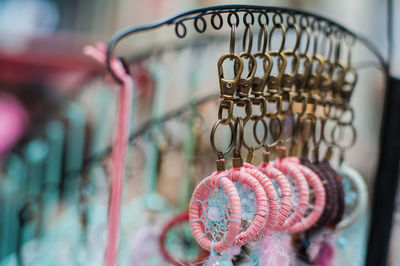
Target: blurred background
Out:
[60,116]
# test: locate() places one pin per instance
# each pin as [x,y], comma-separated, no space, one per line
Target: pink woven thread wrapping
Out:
[294,171]
[283,183]
[273,200]
[315,183]
[196,209]
[258,223]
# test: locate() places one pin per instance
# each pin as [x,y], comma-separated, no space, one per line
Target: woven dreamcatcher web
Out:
[295,193]
[215,213]
[350,197]
[248,203]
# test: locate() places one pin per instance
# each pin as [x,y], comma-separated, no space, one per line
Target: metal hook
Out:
[328,39]
[219,153]
[308,33]
[259,82]
[238,137]
[349,40]
[262,33]
[338,37]
[283,29]
[297,42]
[248,29]
[316,30]
[232,40]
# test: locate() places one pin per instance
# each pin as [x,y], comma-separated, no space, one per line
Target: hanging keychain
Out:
[281,81]
[320,78]
[274,250]
[264,219]
[356,196]
[355,188]
[307,117]
[316,207]
[215,209]
[252,194]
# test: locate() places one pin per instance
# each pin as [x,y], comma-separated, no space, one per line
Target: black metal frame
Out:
[265,15]
[387,178]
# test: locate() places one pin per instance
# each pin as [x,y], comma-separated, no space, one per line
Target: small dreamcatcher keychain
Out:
[277,177]
[215,210]
[356,196]
[259,216]
[275,249]
[318,195]
[248,181]
[178,245]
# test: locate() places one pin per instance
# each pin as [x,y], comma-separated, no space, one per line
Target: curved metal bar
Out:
[88,163]
[233,10]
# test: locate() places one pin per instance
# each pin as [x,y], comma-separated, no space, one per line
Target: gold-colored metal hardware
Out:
[219,153]
[229,86]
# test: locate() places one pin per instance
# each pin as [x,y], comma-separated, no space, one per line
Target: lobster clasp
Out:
[288,79]
[302,78]
[339,74]
[244,84]
[299,99]
[314,79]
[229,86]
[260,82]
[349,82]
[277,99]
[326,82]
[274,81]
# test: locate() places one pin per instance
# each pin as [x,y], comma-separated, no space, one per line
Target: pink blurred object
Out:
[144,82]
[14,121]
[276,251]
[326,253]
[98,52]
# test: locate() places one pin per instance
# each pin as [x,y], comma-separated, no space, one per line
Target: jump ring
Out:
[261,33]
[212,138]
[232,40]
[248,29]
[283,36]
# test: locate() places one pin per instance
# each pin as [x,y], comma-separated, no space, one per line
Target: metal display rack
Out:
[217,17]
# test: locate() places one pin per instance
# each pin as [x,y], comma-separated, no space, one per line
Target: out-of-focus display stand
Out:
[63,172]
